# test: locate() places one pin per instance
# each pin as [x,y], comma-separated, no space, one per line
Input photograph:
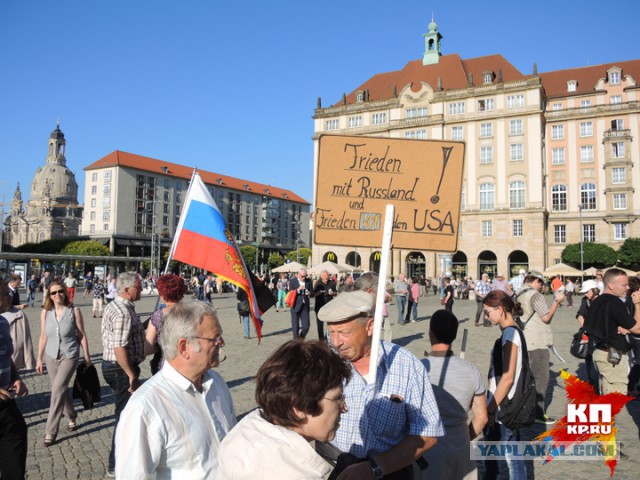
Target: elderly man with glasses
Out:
[173,425]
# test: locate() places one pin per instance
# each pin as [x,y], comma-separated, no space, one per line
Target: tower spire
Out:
[432,45]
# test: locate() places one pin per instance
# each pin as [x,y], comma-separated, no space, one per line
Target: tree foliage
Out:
[304,253]
[275,260]
[629,254]
[54,245]
[248,252]
[86,247]
[596,255]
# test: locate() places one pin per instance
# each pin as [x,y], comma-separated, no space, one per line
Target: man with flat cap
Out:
[389,425]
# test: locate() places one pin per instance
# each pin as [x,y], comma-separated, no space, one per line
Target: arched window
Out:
[487,196]
[516,194]
[559,198]
[588,196]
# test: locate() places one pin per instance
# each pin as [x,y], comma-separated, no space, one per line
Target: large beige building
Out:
[546,153]
[129,197]
[52,210]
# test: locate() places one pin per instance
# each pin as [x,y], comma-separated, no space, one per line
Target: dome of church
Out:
[57,133]
[56,181]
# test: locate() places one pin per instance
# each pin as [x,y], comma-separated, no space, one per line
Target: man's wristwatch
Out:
[378,474]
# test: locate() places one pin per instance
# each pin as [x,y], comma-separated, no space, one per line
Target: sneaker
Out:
[111,473]
[545,420]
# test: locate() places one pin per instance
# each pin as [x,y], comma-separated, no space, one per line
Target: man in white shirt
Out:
[173,424]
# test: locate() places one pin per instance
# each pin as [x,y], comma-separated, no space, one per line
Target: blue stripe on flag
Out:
[205,220]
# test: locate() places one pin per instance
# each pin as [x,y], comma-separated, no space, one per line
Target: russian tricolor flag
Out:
[202,240]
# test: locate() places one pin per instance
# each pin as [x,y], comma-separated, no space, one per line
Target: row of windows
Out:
[517,228]
[516,153]
[589,232]
[356,121]
[588,198]
[106,176]
[516,195]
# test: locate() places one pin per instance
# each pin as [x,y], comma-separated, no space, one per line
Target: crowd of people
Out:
[322,412]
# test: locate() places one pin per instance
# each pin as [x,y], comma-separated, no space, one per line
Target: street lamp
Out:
[580,207]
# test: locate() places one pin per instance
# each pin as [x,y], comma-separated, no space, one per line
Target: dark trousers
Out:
[320,325]
[118,380]
[300,322]
[539,363]
[479,312]
[13,441]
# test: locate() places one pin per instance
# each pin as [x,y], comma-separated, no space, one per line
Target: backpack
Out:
[519,411]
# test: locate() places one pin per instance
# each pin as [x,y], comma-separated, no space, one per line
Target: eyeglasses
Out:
[341,400]
[488,312]
[57,292]
[216,341]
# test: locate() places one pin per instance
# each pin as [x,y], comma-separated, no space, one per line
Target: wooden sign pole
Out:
[382,284]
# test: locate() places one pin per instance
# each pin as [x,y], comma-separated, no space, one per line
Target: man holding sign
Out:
[391,423]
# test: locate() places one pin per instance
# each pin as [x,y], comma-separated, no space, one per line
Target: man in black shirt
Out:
[323,291]
[607,323]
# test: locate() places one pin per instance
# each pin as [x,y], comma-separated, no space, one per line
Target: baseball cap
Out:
[535,273]
[347,306]
[588,285]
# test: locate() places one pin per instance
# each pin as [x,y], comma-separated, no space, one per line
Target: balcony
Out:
[624,134]
[578,112]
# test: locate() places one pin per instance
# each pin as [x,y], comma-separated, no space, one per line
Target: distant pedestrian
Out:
[70,282]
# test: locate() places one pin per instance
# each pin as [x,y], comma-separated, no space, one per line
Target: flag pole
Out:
[382,284]
[185,207]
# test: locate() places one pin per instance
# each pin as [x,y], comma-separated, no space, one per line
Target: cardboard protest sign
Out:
[358,176]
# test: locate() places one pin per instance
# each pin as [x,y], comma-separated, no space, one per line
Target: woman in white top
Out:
[299,392]
[499,309]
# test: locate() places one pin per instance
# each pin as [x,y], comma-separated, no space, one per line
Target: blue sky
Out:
[231,86]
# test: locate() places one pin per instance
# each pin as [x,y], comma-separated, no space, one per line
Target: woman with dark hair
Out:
[61,336]
[499,309]
[300,399]
[172,290]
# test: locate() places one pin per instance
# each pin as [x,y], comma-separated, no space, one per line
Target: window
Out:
[619,231]
[614,78]
[106,202]
[486,154]
[619,201]
[560,233]
[619,175]
[516,194]
[487,196]
[585,103]
[617,124]
[105,227]
[416,112]
[331,124]
[588,196]
[359,97]
[165,208]
[456,108]
[107,176]
[515,101]
[94,189]
[457,133]
[557,132]
[572,85]
[93,202]
[165,221]
[487,78]
[617,150]
[92,216]
[559,198]
[94,177]
[463,198]
[179,186]
[167,196]
[589,232]
[105,215]
[487,228]
[178,197]
[586,129]
[556,106]
[422,134]
[486,130]
[355,121]
[517,228]
[379,118]
[167,183]
[557,156]
[615,99]
[515,127]
[106,189]
[586,153]
[485,104]
[92,228]
[517,152]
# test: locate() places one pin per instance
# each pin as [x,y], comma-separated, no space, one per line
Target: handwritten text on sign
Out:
[358,176]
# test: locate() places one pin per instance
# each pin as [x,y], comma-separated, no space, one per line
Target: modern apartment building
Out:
[129,197]
[547,155]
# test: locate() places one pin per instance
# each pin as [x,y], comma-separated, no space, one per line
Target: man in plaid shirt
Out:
[123,347]
[483,287]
